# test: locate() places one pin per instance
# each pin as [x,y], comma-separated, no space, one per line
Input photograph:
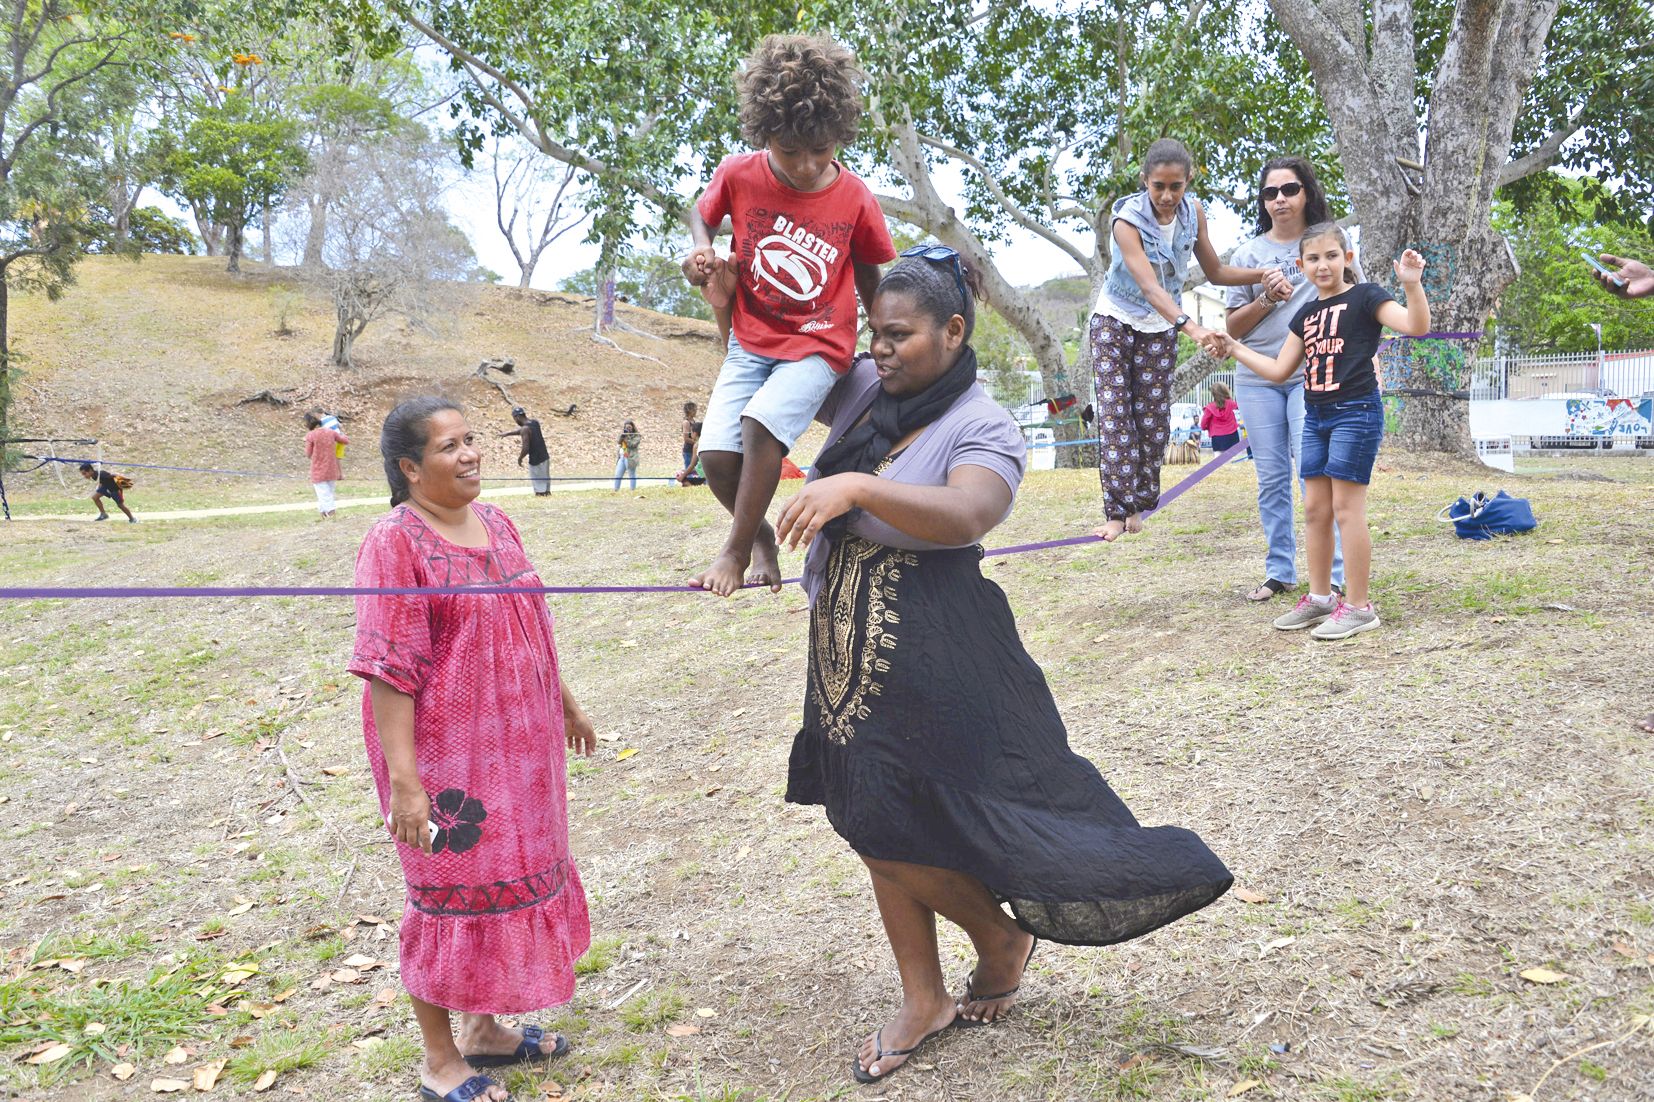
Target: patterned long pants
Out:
[1134,409]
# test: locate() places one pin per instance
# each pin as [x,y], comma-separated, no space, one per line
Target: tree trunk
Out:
[235,234]
[1368,82]
[5,366]
[344,339]
[269,254]
[316,235]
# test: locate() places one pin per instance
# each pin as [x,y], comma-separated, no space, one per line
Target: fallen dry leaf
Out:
[706,1012]
[206,1076]
[241,973]
[1278,943]
[1242,1087]
[284,996]
[265,1082]
[51,1054]
[1542,975]
[95,1029]
[367,1042]
[624,754]
[363,963]
[1247,895]
[178,1055]
[240,909]
[345,975]
[168,1086]
[682,1030]
[123,1071]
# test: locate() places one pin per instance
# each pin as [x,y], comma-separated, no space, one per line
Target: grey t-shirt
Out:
[974,431]
[1270,333]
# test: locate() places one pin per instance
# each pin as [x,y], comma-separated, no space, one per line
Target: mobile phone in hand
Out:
[1601,267]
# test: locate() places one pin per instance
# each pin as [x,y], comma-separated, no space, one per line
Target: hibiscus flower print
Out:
[456,816]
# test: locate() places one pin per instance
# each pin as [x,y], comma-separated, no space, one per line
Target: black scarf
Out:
[888,420]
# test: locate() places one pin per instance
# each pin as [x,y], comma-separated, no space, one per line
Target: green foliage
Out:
[650,280]
[149,230]
[1552,304]
[233,162]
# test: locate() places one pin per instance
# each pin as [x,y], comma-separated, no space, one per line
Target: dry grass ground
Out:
[1418,815]
[152,358]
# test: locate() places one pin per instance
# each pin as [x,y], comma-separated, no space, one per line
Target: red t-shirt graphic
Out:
[795,253]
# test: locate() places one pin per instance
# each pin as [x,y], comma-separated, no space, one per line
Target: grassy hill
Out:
[152,358]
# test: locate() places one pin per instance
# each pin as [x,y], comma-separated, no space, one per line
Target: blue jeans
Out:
[1274,417]
[1341,439]
[623,467]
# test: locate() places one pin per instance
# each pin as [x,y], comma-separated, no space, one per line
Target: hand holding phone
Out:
[1606,271]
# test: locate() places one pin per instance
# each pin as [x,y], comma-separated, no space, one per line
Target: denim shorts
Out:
[781,395]
[1341,439]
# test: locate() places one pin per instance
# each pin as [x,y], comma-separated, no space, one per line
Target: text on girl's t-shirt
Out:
[1341,336]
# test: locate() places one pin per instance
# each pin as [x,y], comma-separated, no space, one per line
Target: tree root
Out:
[273,397]
[601,339]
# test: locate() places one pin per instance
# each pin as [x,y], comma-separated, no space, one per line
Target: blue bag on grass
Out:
[1482,517]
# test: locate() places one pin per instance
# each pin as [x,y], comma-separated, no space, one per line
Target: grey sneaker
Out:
[1305,614]
[1346,621]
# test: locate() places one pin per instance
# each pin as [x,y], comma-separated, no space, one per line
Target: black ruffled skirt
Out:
[931,737]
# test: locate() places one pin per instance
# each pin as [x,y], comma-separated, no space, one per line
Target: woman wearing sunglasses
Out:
[929,733]
[1289,200]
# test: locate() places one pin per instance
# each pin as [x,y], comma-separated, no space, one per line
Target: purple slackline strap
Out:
[40,594]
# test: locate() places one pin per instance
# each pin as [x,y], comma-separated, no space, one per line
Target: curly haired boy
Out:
[808,237]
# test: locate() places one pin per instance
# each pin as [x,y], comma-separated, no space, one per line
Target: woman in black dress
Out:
[929,733]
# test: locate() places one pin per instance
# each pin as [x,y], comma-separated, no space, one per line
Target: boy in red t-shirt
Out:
[808,237]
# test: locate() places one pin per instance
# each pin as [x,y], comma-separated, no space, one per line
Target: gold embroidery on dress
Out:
[845,674]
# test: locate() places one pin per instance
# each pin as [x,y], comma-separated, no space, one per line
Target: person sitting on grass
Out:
[110,485]
[808,238]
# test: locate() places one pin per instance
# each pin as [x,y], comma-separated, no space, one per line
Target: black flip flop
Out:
[528,1051]
[881,1052]
[1276,588]
[972,997]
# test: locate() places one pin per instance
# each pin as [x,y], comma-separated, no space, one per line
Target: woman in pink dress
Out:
[466,720]
[321,447]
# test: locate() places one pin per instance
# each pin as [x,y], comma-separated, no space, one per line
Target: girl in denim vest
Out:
[1135,325]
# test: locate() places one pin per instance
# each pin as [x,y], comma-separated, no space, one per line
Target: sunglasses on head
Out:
[1288,190]
[939,254]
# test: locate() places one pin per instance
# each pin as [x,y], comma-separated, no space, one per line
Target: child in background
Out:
[691,436]
[1135,325]
[112,486]
[626,449]
[808,237]
[1335,336]
[1218,418]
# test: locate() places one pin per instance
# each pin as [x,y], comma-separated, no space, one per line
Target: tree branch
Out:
[1009,205]
[1543,154]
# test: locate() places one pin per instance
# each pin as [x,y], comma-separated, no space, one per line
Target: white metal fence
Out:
[1561,375]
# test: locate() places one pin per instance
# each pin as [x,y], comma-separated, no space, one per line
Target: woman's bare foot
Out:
[1110,531]
[766,561]
[444,1077]
[724,576]
[483,1035]
[1134,523]
[911,1025]
[1000,972]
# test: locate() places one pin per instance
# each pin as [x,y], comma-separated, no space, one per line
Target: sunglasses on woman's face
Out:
[1288,190]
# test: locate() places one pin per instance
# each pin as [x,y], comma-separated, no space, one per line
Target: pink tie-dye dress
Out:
[496,914]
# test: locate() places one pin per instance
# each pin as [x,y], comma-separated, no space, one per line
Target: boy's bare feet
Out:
[724,576]
[1110,531]
[766,560]
[1134,523]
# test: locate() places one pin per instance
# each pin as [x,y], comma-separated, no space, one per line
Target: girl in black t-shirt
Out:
[1335,336]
